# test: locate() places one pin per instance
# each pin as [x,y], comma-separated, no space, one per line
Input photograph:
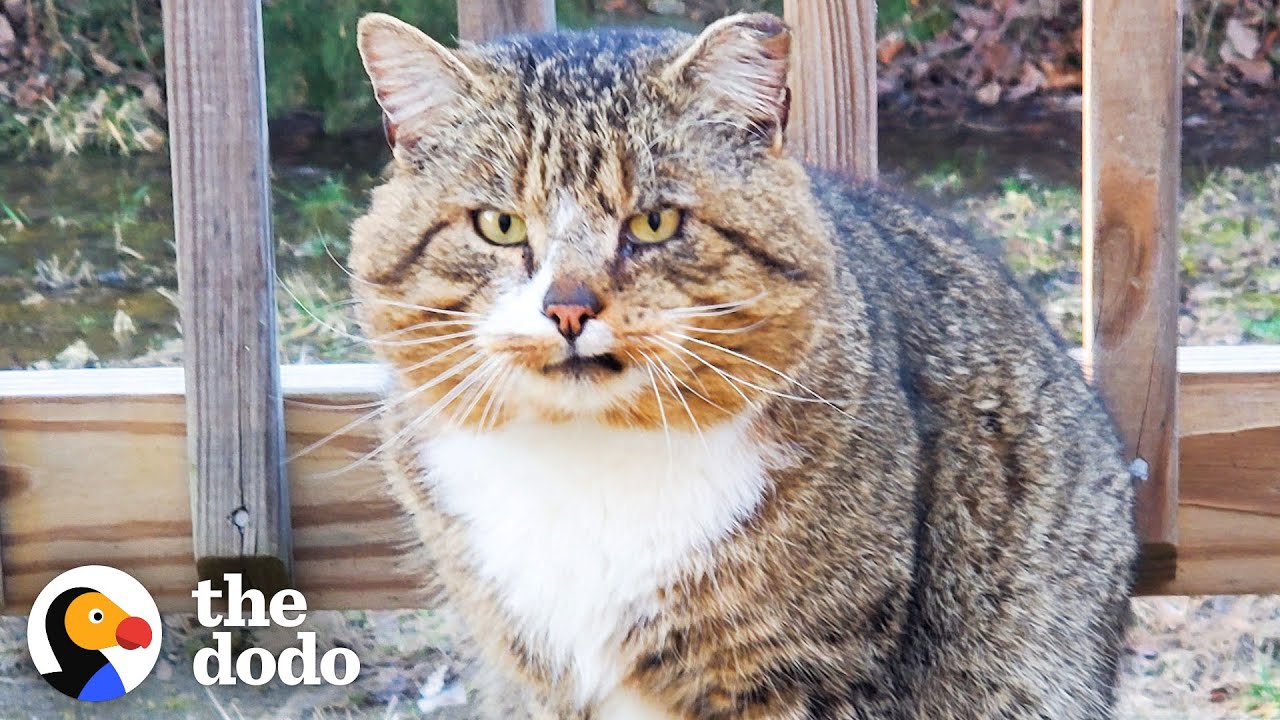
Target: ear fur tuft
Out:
[414,77]
[742,62]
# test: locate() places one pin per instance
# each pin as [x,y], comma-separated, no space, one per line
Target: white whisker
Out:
[494,374]
[340,332]
[379,340]
[423,308]
[715,310]
[662,413]
[692,374]
[345,270]
[332,407]
[387,404]
[412,427]
[499,389]
[662,368]
[733,382]
[746,358]
[724,331]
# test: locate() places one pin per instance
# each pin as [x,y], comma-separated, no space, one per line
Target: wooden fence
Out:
[147,469]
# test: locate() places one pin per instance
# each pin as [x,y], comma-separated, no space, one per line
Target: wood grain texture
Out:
[833,85]
[483,20]
[1229,477]
[222,221]
[1131,174]
[120,497]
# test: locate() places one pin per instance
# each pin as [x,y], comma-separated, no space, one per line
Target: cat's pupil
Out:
[655,221]
[504,223]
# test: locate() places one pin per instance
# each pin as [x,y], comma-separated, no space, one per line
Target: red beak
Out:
[133,632]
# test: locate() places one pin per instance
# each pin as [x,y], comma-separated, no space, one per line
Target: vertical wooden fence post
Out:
[833,84]
[222,220]
[481,20]
[1132,138]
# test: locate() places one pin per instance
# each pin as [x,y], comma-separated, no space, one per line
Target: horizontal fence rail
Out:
[129,434]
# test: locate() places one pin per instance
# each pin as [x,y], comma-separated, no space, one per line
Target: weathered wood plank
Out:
[1131,170]
[482,20]
[222,221]
[1229,474]
[128,428]
[121,498]
[833,84]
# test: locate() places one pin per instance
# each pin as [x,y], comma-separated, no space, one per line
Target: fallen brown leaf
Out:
[1031,81]
[889,47]
[1256,72]
[1060,78]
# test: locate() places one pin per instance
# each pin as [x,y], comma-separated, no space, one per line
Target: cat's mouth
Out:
[589,367]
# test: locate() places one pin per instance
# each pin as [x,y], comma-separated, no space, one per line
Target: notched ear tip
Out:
[761,39]
[775,39]
[742,61]
[767,24]
[768,30]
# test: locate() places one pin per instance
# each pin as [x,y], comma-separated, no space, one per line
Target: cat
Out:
[685,429]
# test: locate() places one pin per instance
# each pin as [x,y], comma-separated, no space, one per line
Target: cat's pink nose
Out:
[570,304]
[570,318]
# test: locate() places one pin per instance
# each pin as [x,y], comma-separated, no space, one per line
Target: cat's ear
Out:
[414,77]
[742,61]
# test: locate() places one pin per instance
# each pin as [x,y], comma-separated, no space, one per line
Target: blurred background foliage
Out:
[89,73]
[311,57]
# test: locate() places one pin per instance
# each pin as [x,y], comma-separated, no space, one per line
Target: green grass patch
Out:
[1262,698]
[316,221]
[918,20]
[311,58]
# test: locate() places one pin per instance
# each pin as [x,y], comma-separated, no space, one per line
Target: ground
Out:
[1187,659]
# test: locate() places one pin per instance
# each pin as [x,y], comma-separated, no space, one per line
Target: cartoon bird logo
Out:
[80,624]
[84,643]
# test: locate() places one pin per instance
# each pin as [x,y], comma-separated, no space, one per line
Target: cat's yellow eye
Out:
[501,228]
[654,226]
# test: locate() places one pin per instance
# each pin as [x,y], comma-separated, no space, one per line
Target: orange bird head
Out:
[94,622]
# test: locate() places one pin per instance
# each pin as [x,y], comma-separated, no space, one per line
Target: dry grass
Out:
[1207,658]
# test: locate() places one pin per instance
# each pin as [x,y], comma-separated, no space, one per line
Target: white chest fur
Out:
[578,525]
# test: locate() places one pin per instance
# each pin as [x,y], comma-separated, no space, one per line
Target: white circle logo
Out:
[94,633]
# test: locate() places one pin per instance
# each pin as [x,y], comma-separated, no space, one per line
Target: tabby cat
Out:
[685,429]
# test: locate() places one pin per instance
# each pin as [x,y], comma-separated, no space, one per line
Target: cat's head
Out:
[592,224]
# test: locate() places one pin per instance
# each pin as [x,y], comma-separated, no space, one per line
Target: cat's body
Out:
[811,456]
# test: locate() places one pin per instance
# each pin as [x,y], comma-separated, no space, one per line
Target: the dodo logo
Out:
[94,633]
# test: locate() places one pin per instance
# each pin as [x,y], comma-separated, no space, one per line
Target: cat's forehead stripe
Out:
[573,93]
